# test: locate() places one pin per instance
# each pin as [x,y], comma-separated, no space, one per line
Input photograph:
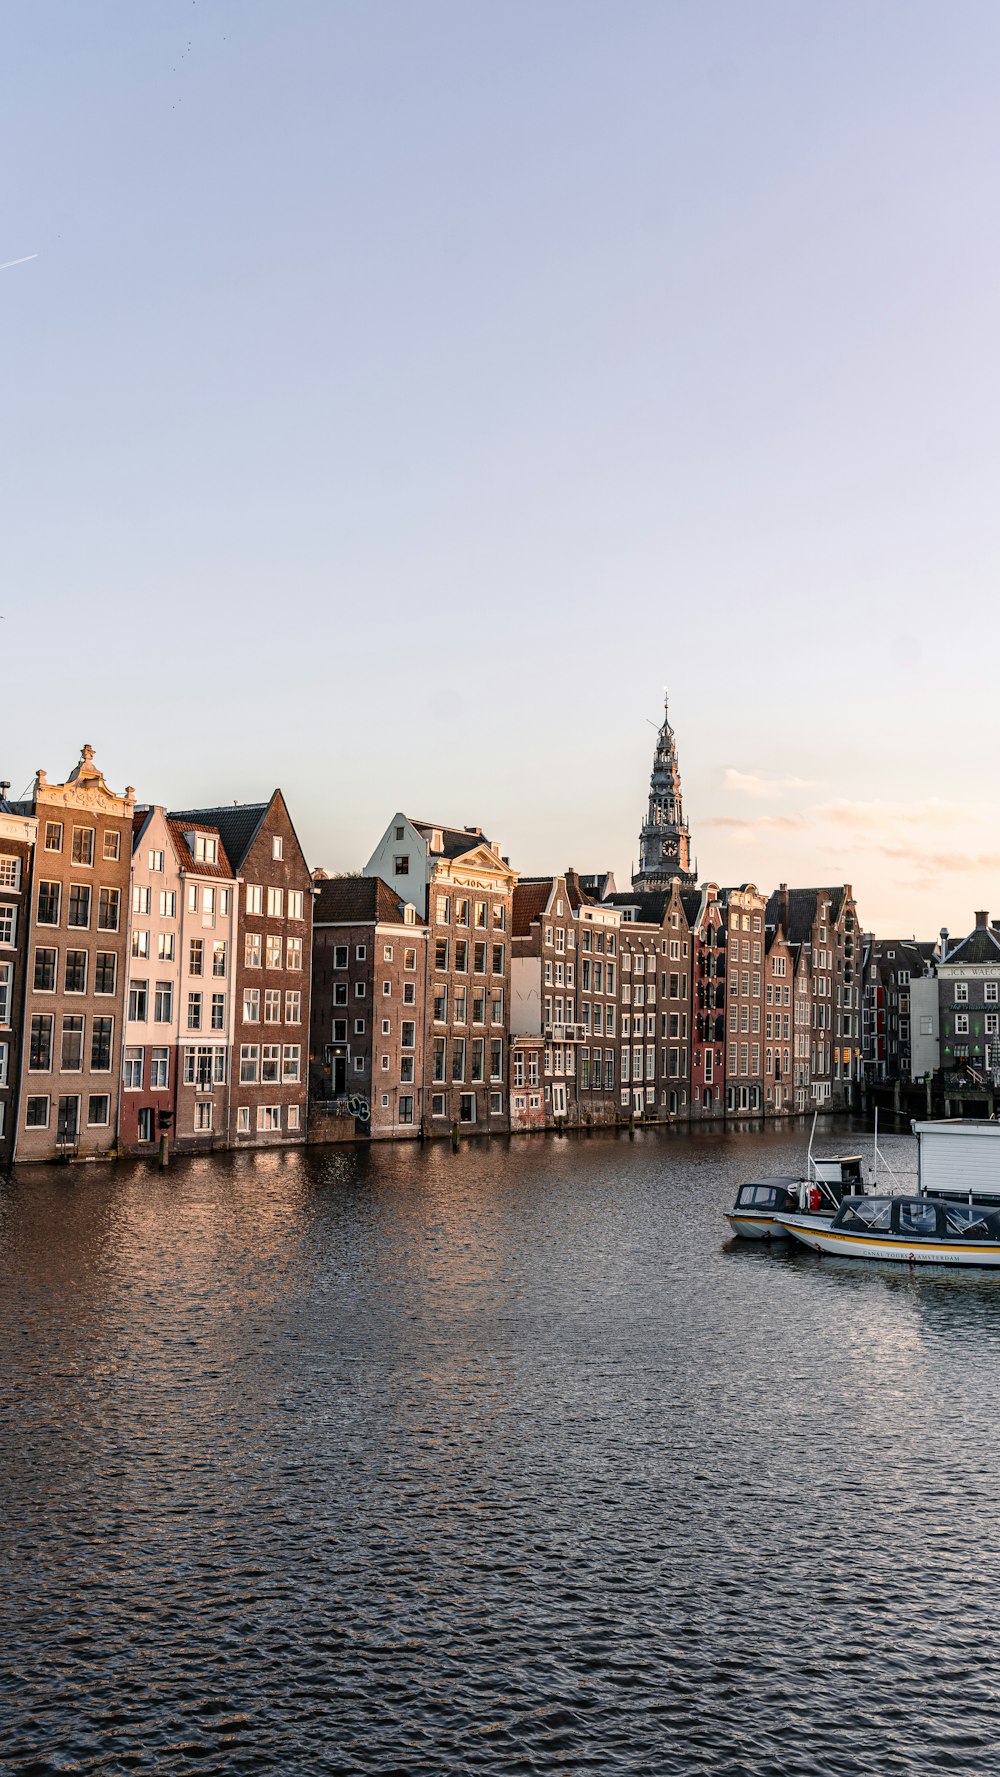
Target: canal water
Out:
[403,1461]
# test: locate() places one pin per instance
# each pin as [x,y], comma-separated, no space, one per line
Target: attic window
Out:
[399,832]
[205,848]
[437,840]
[277,846]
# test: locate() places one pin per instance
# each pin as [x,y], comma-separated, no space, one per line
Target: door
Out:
[558,1100]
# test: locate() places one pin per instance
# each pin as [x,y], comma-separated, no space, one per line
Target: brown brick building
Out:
[78,966]
[367,1023]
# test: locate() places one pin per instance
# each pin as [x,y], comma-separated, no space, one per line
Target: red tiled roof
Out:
[186,858]
[530,902]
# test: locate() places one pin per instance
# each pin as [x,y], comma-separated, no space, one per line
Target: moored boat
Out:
[754,1214]
[909,1230]
[820,1190]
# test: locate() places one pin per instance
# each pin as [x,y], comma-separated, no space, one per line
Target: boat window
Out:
[969,1221]
[917,1218]
[870,1215]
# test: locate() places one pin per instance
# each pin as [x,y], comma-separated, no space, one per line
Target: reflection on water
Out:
[405,1461]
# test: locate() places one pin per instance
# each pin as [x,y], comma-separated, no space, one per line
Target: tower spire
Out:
[664,842]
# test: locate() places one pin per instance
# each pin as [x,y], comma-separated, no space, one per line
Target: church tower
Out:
[665,843]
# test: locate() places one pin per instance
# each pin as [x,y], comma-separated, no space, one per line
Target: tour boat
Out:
[910,1230]
[825,1183]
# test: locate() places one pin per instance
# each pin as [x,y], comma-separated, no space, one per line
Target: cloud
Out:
[749,823]
[759,785]
[875,817]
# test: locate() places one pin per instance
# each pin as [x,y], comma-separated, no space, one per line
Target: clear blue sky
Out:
[404,393]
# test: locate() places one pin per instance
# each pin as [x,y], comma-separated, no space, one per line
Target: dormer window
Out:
[437,840]
[205,847]
[409,915]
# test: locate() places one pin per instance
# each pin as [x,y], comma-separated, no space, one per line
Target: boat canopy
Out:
[919,1218]
[767,1193]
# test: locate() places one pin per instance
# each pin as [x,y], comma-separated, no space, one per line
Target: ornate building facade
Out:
[665,841]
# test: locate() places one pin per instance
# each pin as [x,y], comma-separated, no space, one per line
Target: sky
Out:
[404,394]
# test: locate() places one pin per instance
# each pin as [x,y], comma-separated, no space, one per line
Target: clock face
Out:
[669,847]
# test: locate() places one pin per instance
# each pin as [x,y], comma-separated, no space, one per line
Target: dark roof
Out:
[237,826]
[21,808]
[801,910]
[691,901]
[981,946]
[185,856]
[357,901]
[650,904]
[598,885]
[455,841]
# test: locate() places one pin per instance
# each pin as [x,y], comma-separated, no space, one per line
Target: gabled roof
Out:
[981,946]
[530,901]
[237,826]
[178,828]
[455,841]
[358,900]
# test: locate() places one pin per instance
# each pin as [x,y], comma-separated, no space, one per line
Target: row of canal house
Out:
[157,976]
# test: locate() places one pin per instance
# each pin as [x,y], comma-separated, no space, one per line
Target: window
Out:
[252,950]
[251,1005]
[444,910]
[105,971]
[112,845]
[206,848]
[496,1058]
[961,1024]
[961,993]
[990,993]
[467,1107]
[10,872]
[53,842]
[405,1108]
[98,1110]
[163,1002]
[273,952]
[293,1118]
[83,845]
[409,993]
[193,1011]
[138,994]
[293,953]
[108,909]
[49,897]
[75,978]
[102,1032]
[277,846]
[168,902]
[458,1059]
[78,913]
[360,990]
[243,1119]
[249,1064]
[45,971]
[270,1063]
[384,1064]
[255,897]
[140,943]
[386,990]
[408,1034]
[142,899]
[275,903]
[218,1012]
[37,1109]
[145,1123]
[8,922]
[293,1007]
[159,1070]
[268,1118]
[272,1006]
[409,959]
[462,912]
[498,959]
[291,1063]
[203,1114]
[401,864]
[71,1055]
[132,1075]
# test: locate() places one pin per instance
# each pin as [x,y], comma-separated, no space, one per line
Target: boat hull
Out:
[892,1248]
[763,1226]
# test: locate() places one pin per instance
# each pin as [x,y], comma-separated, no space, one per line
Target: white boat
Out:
[820,1189]
[910,1230]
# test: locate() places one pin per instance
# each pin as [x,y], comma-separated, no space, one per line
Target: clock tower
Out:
[665,842]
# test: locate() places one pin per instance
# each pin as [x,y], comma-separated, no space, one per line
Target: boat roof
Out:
[777,1178]
[841,1159]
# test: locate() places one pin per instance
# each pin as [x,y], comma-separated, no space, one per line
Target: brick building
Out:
[18,832]
[744,910]
[270,982]
[78,969]
[779,979]
[459,882]
[367,1022]
[825,922]
[707,924]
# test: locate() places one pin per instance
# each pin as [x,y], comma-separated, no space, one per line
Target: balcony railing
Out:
[563,1033]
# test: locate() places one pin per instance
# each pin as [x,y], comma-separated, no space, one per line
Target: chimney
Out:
[572,881]
[944,944]
[982,921]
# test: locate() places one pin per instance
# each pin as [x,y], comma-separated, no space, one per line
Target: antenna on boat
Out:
[810,1162]
[875,1158]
